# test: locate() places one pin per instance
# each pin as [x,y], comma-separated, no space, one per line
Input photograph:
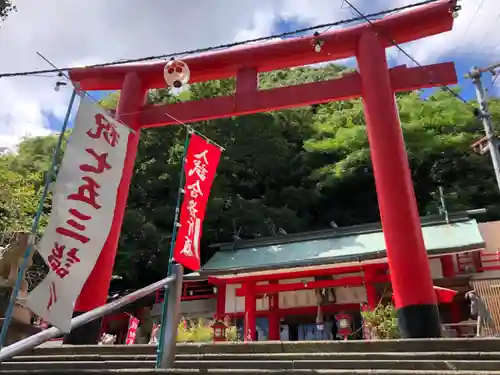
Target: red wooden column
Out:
[220,307]
[448,268]
[250,312]
[372,296]
[409,267]
[447,265]
[274,317]
[95,290]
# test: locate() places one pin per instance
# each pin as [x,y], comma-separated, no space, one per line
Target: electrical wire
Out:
[493,24]
[495,76]
[496,46]
[473,18]
[191,129]
[42,76]
[62,74]
[458,96]
[223,46]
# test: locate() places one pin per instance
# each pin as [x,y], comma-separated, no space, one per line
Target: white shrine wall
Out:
[436,268]
[293,299]
[307,298]
[237,304]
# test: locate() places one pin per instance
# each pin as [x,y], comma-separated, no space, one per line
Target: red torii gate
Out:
[375,83]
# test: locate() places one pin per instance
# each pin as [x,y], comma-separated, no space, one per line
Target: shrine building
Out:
[272,286]
[269,287]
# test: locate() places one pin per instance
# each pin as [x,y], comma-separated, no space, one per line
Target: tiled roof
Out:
[359,243]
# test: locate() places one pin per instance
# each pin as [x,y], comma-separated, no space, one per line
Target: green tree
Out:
[19,197]
[438,132]
[262,186]
[295,170]
[22,176]
[282,172]
[6,7]
[34,154]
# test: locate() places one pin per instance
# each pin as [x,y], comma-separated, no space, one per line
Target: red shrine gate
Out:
[375,83]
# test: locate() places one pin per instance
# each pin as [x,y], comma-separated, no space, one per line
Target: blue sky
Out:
[56,123]
[463,63]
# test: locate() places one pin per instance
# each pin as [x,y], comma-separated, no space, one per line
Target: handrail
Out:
[32,341]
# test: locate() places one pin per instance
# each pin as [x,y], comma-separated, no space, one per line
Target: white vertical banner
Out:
[83,205]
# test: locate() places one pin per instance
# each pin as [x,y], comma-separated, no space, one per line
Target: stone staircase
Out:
[440,356]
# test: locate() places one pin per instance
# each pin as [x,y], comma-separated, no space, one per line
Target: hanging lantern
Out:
[176,73]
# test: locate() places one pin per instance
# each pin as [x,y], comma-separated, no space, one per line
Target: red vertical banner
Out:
[200,166]
[133,324]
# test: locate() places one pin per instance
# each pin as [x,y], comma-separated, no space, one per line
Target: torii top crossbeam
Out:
[431,19]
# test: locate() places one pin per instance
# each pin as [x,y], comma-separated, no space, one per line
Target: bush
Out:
[382,321]
[232,334]
[194,331]
[200,331]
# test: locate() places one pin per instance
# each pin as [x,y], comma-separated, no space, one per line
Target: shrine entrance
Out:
[374,82]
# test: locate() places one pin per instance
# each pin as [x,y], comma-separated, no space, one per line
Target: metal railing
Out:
[174,283]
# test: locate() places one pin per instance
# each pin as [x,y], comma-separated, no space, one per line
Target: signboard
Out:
[201,162]
[133,324]
[83,204]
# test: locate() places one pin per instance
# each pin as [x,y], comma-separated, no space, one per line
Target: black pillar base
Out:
[419,321]
[87,334]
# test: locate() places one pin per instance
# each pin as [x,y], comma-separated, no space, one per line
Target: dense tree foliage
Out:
[22,178]
[282,172]
[6,7]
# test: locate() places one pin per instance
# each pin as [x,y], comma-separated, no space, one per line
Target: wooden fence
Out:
[489,291]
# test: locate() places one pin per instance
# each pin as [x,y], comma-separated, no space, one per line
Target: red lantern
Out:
[219,331]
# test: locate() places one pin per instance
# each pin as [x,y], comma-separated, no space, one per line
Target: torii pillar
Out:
[418,314]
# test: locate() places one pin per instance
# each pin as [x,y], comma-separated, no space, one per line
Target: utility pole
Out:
[442,206]
[483,112]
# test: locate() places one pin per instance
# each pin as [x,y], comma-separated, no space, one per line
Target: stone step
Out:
[29,367]
[344,365]
[418,345]
[394,356]
[73,371]
[476,366]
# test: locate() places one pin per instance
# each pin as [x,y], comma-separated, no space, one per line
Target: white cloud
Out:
[475,34]
[75,33]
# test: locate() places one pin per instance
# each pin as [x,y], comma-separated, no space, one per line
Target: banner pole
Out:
[36,221]
[161,343]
